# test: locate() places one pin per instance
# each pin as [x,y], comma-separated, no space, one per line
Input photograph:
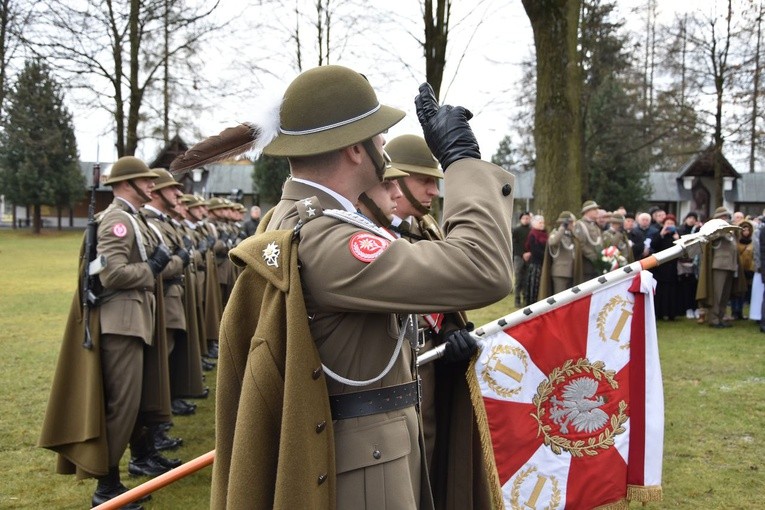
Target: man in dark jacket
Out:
[520,233]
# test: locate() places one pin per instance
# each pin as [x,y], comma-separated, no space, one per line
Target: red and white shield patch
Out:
[119,230]
[367,247]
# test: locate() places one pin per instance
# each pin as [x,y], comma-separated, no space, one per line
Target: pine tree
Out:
[269,176]
[38,150]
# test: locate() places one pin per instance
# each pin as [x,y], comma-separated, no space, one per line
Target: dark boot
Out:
[212,349]
[109,487]
[179,408]
[164,442]
[142,452]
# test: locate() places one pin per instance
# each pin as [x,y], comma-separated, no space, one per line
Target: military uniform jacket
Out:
[127,279]
[562,250]
[348,296]
[590,238]
[75,425]
[620,240]
[173,273]
[270,381]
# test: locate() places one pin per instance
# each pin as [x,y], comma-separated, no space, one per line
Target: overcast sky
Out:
[483,69]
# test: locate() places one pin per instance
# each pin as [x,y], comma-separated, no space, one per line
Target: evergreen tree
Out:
[504,156]
[269,176]
[614,146]
[38,150]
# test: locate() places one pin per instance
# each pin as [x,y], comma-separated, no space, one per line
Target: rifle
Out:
[89,297]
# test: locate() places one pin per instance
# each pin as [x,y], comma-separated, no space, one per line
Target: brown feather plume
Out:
[229,143]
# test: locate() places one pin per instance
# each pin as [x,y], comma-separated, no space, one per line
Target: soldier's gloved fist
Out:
[187,243]
[159,259]
[459,345]
[202,246]
[210,240]
[445,128]
[184,255]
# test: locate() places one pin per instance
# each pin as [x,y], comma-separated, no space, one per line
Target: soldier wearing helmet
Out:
[445,404]
[332,338]
[181,369]
[132,256]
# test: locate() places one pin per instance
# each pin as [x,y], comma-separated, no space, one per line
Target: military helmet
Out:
[589,205]
[721,212]
[164,179]
[565,216]
[616,218]
[216,203]
[193,201]
[411,154]
[327,108]
[390,172]
[126,168]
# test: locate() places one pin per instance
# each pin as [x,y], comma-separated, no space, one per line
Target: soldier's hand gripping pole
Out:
[688,245]
[88,297]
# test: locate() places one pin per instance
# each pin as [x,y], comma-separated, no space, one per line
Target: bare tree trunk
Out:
[4,25]
[557,124]
[755,94]
[14,216]
[720,69]
[436,39]
[134,41]
[37,219]
[166,77]
[119,100]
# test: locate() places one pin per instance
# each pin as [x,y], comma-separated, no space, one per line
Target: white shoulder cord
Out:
[396,351]
[138,236]
[359,221]
[362,222]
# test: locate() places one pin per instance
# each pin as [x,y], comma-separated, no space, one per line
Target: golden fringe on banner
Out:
[622,504]
[644,493]
[483,429]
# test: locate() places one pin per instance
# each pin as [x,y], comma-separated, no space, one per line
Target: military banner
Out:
[571,402]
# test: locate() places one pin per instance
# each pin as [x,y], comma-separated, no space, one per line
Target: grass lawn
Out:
[714,385]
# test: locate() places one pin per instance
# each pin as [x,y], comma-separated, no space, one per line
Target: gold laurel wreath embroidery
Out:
[515,492]
[578,448]
[603,316]
[491,382]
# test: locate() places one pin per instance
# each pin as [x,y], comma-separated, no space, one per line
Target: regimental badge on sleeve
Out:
[119,230]
[367,247]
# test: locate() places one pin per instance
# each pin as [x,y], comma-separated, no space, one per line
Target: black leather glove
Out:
[445,128]
[184,255]
[187,243]
[159,259]
[210,240]
[202,247]
[460,345]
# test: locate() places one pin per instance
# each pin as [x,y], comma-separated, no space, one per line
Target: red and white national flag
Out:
[574,409]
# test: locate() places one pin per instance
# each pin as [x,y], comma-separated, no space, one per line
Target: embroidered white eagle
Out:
[578,407]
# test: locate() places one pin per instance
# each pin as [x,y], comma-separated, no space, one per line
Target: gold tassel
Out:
[649,493]
[483,429]
[622,504]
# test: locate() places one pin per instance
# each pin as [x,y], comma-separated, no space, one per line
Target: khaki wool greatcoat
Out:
[350,304]
[75,425]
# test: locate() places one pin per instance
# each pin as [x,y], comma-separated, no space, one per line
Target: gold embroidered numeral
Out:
[508,371]
[541,481]
[617,332]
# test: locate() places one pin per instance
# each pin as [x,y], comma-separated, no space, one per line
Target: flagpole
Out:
[689,244]
[157,483]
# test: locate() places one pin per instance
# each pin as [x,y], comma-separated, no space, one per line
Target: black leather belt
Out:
[378,400]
